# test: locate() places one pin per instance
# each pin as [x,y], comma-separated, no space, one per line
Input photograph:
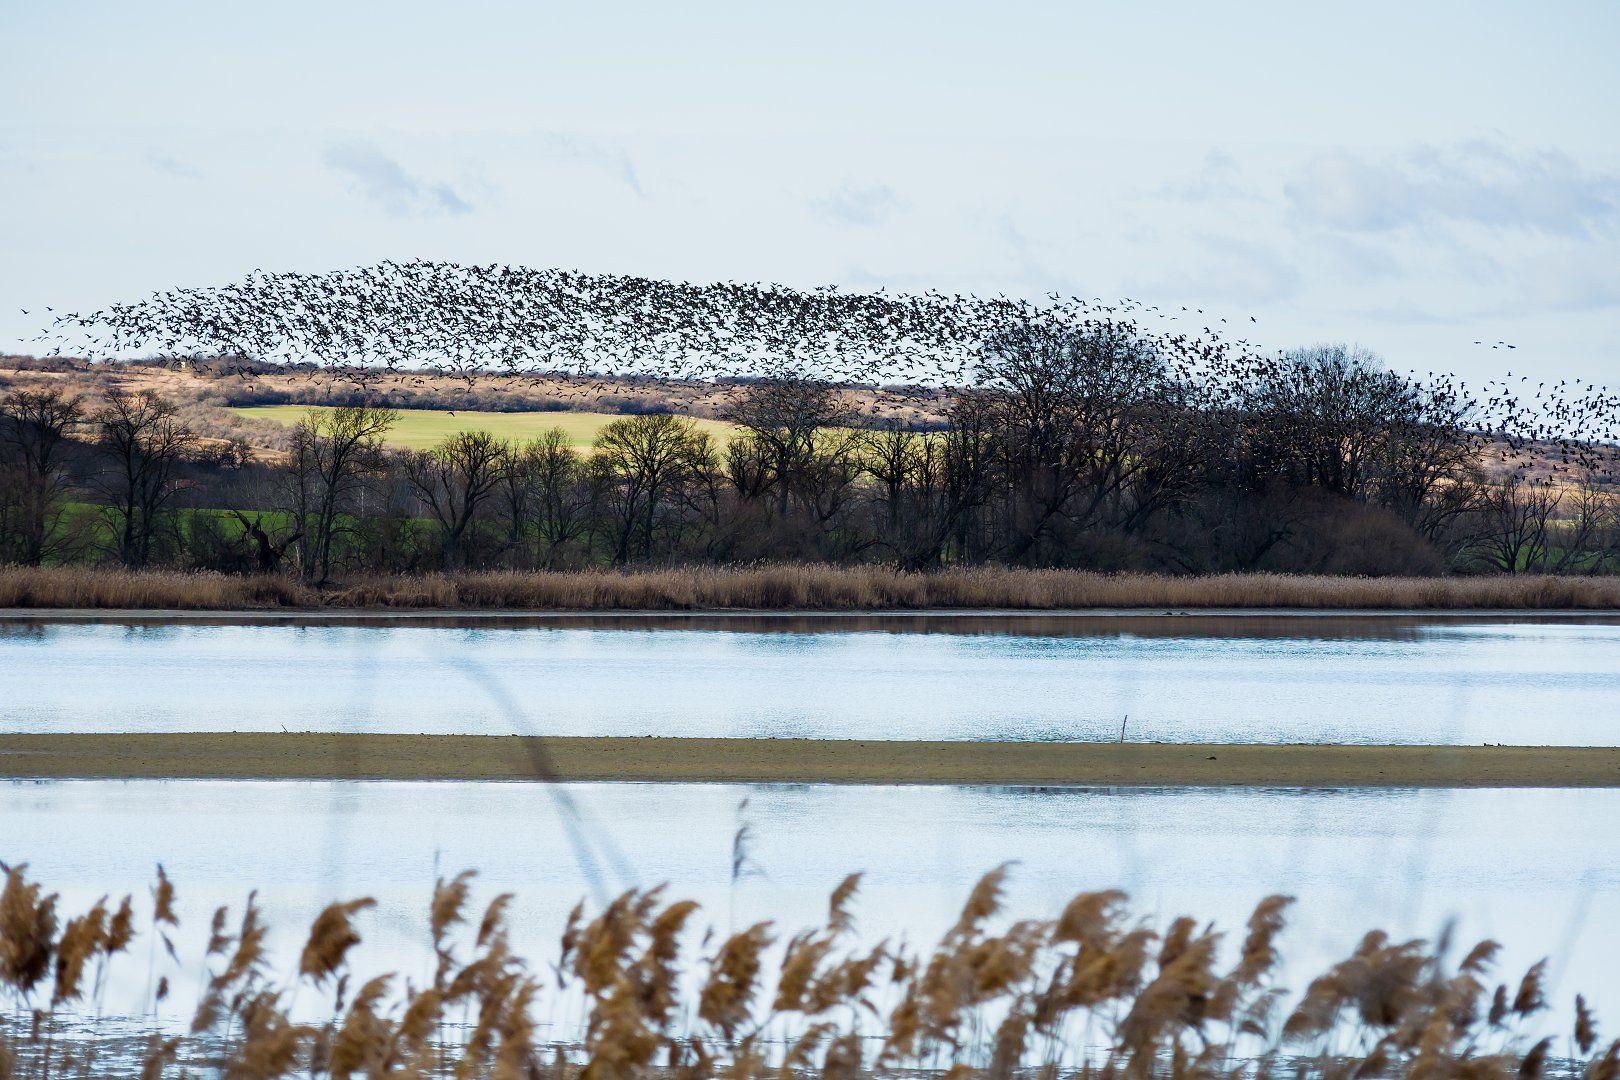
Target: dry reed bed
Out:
[804,587]
[1090,992]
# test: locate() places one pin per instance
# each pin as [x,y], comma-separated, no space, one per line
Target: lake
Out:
[1538,869]
[1455,680]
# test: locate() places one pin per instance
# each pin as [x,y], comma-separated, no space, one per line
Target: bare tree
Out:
[143,442]
[1333,417]
[1073,408]
[269,546]
[455,480]
[332,456]
[1517,523]
[783,417]
[907,467]
[1321,414]
[648,461]
[547,499]
[895,457]
[36,432]
[1590,533]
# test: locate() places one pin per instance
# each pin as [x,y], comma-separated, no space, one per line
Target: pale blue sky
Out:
[1410,177]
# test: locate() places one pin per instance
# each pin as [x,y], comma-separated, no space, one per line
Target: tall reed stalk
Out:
[1088,991]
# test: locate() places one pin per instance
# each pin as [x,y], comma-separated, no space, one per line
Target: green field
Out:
[418,429]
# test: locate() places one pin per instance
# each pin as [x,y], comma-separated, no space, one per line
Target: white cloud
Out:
[863,207]
[608,157]
[385,181]
[1218,179]
[175,167]
[1478,183]
[1222,269]
[1357,261]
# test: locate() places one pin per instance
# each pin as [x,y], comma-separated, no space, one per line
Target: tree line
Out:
[1073,445]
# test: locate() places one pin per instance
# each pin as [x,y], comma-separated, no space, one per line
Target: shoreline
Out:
[316,756]
[406,615]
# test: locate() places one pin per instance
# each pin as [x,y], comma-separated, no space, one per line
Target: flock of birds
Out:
[464,320]
[413,319]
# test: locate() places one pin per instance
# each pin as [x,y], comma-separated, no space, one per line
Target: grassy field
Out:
[419,429]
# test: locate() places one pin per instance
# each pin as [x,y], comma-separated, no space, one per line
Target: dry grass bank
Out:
[350,756]
[87,587]
[795,587]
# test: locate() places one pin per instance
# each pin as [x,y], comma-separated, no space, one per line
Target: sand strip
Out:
[304,756]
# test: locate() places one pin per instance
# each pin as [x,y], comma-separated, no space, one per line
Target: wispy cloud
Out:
[386,182]
[1218,179]
[594,153]
[174,167]
[1224,268]
[1472,183]
[1356,260]
[863,207]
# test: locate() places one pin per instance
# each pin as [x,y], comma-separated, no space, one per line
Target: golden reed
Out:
[799,587]
[1091,992]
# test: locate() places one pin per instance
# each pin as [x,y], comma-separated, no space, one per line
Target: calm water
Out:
[1538,869]
[1456,680]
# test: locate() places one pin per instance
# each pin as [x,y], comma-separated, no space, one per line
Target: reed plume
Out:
[27,931]
[1532,995]
[82,938]
[331,936]
[271,1045]
[444,912]
[655,974]
[727,997]
[840,916]
[362,1043]
[1585,1025]
[1087,993]
[120,928]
